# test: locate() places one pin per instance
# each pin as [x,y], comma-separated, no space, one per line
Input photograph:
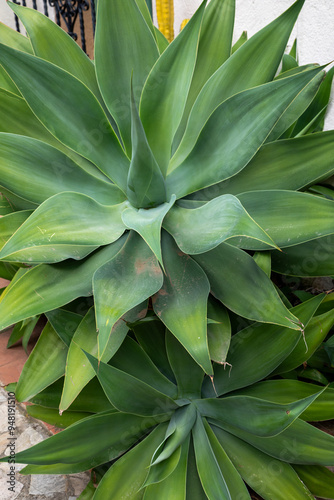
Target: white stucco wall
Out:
[7,16]
[314,29]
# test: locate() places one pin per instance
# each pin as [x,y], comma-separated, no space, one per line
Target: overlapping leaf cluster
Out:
[166,181]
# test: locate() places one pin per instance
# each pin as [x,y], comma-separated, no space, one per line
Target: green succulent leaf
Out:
[219,332]
[259,417]
[129,394]
[87,439]
[123,283]
[146,185]
[13,38]
[10,223]
[64,323]
[306,217]
[131,50]
[241,40]
[239,73]
[222,151]
[300,443]
[268,477]
[214,49]
[67,225]
[163,99]
[131,469]
[188,374]
[313,258]
[68,110]
[35,171]
[318,479]
[287,164]
[234,483]
[246,290]
[201,229]
[53,417]
[269,343]
[181,303]
[315,334]
[49,357]
[46,37]
[132,358]
[285,391]
[78,372]
[175,482]
[210,474]
[46,287]
[148,222]
[163,470]
[178,430]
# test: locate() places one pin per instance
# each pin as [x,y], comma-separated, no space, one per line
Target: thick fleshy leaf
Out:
[146,185]
[301,443]
[259,417]
[78,371]
[222,151]
[48,357]
[181,303]
[67,225]
[290,164]
[17,118]
[53,417]
[163,99]
[148,224]
[255,63]
[219,331]
[285,391]
[91,399]
[178,430]
[162,41]
[129,394]
[163,470]
[130,357]
[297,107]
[194,485]
[175,482]
[151,337]
[36,171]
[127,475]
[269,343]
[318,479]
[235,484]
[188,374]
[64,323]
[213,49]
[68,110]
[13,38]
[306,217]
[123,283]
[313,258]
[88,438]
[244,289]
[268,477]
[315,333]
[46,287]
[46,38]
[200,229]
[131,50]
[241,40]
[210,474]
[22,330]
[10,223]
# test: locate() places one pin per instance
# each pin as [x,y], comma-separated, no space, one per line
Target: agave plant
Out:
[160,185]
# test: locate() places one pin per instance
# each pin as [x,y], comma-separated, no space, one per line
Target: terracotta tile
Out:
[3,283]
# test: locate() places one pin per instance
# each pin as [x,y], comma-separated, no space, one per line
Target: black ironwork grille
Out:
[78,17]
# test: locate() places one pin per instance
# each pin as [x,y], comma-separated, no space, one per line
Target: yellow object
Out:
[184,22]
[165,15]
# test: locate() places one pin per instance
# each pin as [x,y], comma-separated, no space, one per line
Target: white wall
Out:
[314,29]
[7,16]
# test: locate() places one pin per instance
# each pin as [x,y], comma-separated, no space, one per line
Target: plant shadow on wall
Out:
[150,196]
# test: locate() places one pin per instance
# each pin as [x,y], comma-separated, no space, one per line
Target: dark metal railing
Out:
[69,14]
